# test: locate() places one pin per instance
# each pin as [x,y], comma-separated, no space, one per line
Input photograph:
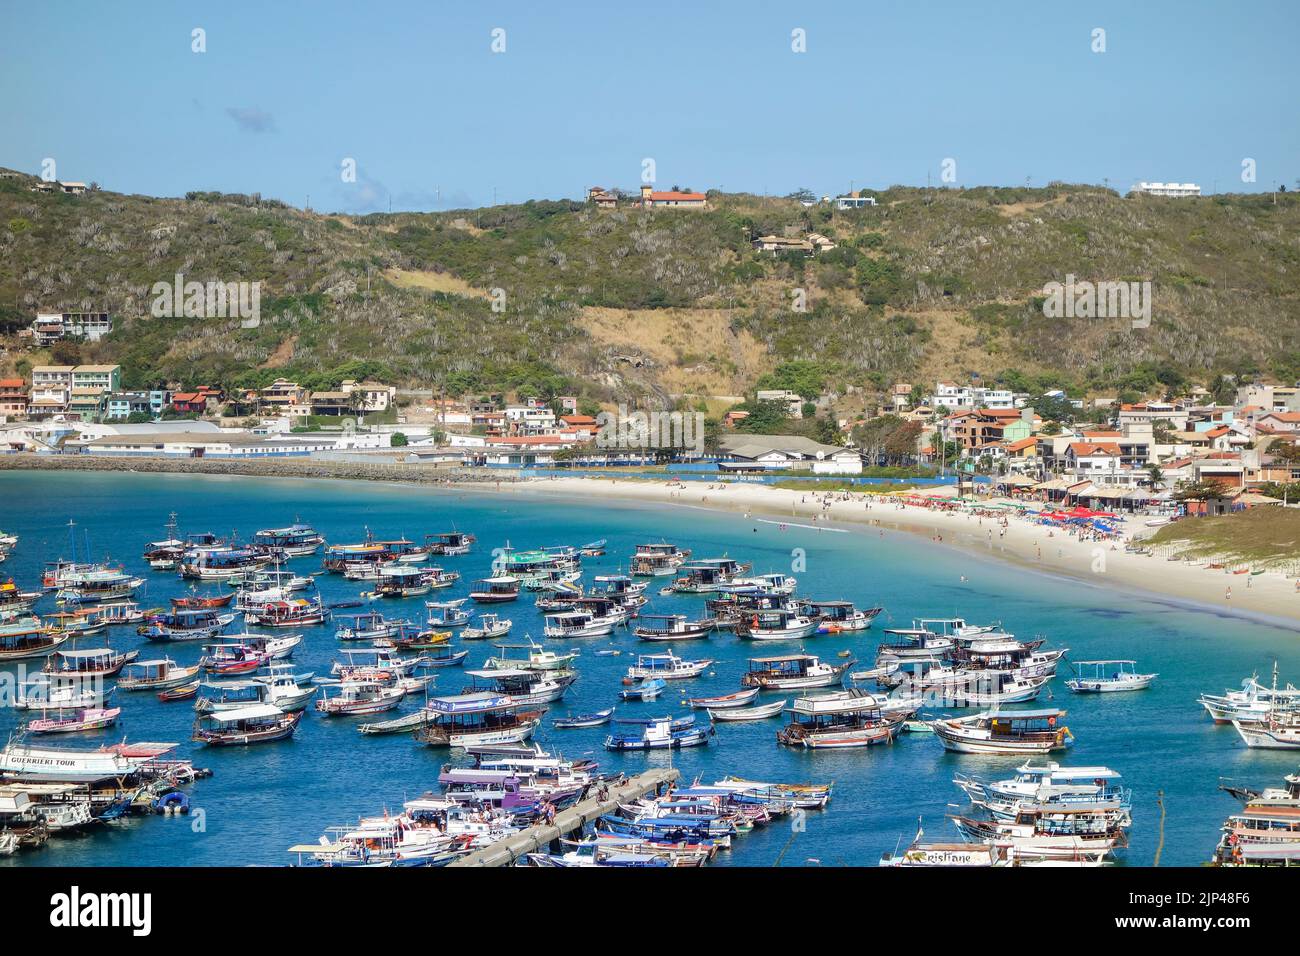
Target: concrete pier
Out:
[539,837]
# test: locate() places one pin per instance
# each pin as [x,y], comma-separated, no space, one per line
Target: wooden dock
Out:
[568,823]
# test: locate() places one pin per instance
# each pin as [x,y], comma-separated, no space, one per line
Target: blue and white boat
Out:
[647,689]
[658,733]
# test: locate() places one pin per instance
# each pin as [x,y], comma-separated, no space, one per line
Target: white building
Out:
[526,420]
[1172,190]
[854,202]
[955,397]
[49,327]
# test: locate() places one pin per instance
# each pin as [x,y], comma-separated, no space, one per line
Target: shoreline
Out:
[1268,598]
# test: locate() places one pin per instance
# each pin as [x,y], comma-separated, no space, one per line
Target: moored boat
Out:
[255,724]
[1005,733]
[658,733]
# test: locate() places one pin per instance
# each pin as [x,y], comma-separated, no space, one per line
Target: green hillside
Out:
[928,284]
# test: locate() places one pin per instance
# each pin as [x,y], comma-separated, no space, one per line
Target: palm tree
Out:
[1155,476]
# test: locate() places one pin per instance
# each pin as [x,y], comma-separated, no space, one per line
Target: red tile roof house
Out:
[13,396]
[583,425]
[1279,422]
[679,200]
[186,402]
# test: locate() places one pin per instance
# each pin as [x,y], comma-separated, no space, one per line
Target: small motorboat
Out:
[726,701]
[648,689]
[184,692]
[597,719]
[1103,677]
[200,602]
[761,712]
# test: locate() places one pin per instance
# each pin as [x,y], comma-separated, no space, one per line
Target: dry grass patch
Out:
[694,351]
[427,280]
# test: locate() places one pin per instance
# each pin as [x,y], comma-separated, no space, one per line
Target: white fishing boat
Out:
[524,687]
[1058,833]
[295,541]
[659,559]
[489,627]
[742,714]
[839,720]
[445,614]
[668,666]
[1105,677]
[672,627]
[536,658]
[156,675]
[792,672]
[577,624]
[46,693]
[351,697]
[726,701]
[20,761]
[776,624]
[1274,732]
[1005,733]
[834,617]
[476,720]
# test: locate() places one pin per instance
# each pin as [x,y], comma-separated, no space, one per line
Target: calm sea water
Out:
[262,799]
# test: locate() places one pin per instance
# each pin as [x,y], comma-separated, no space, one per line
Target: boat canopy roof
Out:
[252,712]
[429,804]
[836,702]
[1078,663]
[470,703]
[1058,772]
[499,673]
[1023,714]
[783,658]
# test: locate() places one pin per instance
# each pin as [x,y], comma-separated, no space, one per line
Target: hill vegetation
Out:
[673,305]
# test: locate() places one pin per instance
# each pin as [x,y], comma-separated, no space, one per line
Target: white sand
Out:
[1269,595]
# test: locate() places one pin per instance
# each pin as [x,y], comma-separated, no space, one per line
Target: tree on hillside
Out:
[764,418]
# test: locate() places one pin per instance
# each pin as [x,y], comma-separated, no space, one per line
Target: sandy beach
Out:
[1106,564]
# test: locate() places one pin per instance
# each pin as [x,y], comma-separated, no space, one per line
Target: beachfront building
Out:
[86,404]
[529,419]
[187,444]
[764,453]
[119,405]
[280,394]
[99,378]
[13,398]
[368,397]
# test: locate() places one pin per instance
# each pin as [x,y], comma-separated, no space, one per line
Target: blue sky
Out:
[885,92]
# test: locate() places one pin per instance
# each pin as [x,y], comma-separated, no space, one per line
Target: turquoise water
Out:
[263,799]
